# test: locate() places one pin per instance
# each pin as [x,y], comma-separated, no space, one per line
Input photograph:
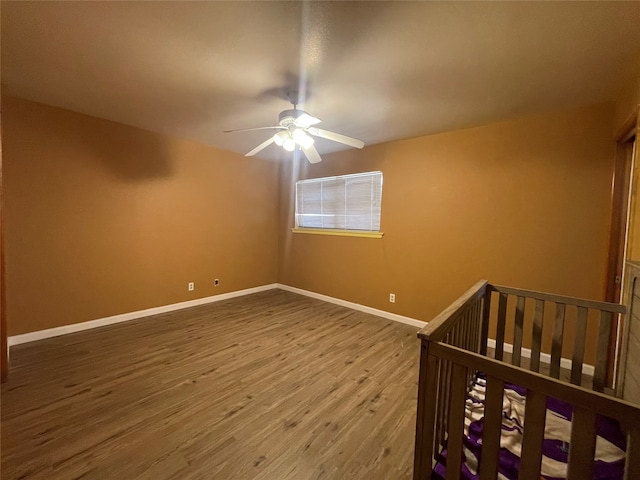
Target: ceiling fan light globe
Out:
[297,134]
[289,145]
[279,138]
[301,138]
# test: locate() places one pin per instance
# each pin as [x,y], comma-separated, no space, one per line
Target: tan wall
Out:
[524,203]
[103,218]
[628,94]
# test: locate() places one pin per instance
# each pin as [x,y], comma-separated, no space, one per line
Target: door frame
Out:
[620,192]
[4,347]
[621,188]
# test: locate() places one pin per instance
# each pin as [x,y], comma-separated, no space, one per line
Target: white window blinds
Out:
[347,202]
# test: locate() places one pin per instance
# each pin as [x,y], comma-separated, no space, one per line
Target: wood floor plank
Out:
[271,385]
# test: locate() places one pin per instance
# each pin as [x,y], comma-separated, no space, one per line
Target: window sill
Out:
[340,233]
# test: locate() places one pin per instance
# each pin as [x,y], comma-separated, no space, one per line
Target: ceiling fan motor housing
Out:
[288,117]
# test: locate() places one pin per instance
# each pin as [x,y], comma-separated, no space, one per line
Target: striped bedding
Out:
[610,444]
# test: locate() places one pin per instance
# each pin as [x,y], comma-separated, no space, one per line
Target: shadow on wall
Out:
[129,154]
[67,140]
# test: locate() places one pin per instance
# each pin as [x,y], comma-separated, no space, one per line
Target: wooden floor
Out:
[268,386]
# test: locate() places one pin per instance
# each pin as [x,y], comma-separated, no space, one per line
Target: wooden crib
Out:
[536,327]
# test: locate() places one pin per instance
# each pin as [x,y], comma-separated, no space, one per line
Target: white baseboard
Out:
[545,358]
[355,306]
[125,317]
[525,352]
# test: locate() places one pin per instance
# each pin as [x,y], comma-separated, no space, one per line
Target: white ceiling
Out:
[376,71]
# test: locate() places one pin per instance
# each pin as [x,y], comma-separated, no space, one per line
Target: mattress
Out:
[610,443]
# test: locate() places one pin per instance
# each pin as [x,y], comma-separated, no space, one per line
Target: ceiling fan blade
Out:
[312,154]
[262,146]
[336,137]
[305,120]
[278,127]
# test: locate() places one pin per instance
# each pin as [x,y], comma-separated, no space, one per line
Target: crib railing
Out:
[454,348]
[555,315]
[462,325]
[587,405]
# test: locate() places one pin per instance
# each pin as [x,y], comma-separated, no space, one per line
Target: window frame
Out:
[338,231]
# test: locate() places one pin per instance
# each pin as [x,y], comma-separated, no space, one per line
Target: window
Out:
[344,204]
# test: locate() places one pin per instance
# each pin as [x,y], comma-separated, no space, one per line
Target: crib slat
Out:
[632,464]
[474,327]
[502,314]
[578,347]
[582,448]
[602,355]
[556,346]
[426,414]
[439,400]
[537,336]
[456,421]
[517,332]
[486,314]
[446,395]
[454,334]
[531,456]
[469,328]
[442,398]
[465,329]
[478,328]
[492,429]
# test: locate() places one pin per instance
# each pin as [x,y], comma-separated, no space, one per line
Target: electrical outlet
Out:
[392,297]
[191,286]
[216,282]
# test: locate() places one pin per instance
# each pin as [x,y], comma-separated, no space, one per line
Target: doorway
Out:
[624,239]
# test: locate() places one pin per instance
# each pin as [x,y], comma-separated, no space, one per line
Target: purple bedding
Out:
[610,444]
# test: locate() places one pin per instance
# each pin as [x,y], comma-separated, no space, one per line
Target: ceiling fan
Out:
[296,129]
